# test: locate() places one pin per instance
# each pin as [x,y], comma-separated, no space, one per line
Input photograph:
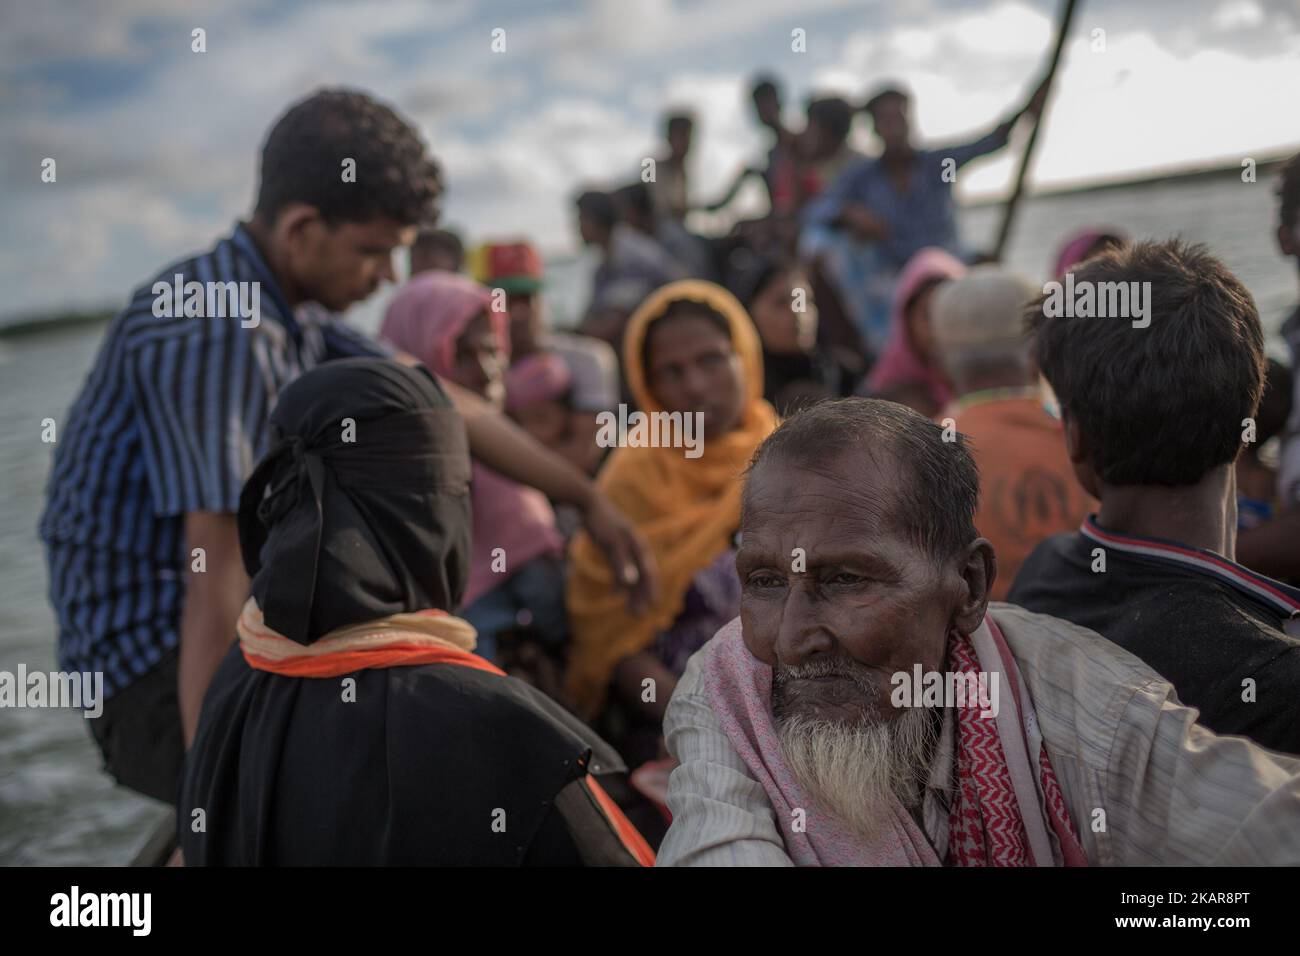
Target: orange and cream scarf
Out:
[420,637]
[686,509]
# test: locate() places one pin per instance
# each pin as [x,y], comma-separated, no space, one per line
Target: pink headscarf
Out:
[543,377]
[430,313]
[1077,246]
[898,363]
[425,318]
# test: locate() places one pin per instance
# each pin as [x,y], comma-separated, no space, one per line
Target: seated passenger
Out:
[352,724]
[516,269]
[869,707]
[908,364]
[516,578]
[689,350]
[1027,487]
[797,370]
[1154,419]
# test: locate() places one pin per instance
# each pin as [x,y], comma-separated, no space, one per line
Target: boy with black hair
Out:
[139,524]
[1154,414]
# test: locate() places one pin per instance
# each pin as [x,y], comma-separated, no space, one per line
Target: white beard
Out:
[855,771]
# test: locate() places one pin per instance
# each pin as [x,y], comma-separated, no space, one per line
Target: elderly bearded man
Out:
[859,560]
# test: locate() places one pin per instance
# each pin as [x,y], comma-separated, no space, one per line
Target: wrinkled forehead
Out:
[855,490]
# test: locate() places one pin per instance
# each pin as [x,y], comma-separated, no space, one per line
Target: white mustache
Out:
[819,668]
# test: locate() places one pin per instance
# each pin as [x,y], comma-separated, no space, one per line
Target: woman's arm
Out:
[505,447]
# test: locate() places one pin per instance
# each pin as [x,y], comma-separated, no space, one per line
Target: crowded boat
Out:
[825,540]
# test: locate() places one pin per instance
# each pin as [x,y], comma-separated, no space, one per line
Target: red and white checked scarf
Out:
[984,823]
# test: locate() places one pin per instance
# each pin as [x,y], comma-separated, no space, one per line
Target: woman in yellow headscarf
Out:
[689,348]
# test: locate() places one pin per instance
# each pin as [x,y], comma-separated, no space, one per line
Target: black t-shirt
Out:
[1202,622]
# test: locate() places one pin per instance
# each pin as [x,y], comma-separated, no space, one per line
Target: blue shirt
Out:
[172,418]
[923,215]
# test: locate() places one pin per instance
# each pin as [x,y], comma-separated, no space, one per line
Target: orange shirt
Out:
[1028,491]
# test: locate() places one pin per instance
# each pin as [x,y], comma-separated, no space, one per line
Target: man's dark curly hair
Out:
[303,158]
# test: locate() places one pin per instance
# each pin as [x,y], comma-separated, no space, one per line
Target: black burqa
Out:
[360,511]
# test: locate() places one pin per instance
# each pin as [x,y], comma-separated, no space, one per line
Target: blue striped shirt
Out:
[172,418]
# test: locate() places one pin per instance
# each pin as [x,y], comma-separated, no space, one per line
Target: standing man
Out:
[145,571]
[903,199]
[139,525]
[863,228]
[780,172]
[669,188]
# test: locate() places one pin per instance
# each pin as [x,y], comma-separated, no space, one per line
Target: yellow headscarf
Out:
[686,508]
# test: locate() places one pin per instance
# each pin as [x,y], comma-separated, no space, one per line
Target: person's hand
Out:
[863,223]
[628,555]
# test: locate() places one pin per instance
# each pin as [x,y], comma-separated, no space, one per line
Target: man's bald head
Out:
[892,458]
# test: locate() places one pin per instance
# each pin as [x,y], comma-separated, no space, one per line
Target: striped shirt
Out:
[1144,784]
[171,419]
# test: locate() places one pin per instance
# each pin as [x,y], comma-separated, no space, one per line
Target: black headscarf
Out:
[415,767]
[361,508]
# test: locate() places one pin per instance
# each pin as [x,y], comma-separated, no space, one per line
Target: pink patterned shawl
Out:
[1008,810]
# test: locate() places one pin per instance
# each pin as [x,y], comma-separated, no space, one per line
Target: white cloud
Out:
[1237,13]
[164,169]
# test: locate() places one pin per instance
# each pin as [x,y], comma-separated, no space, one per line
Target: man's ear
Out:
[1080,451]
[294,223]
[1076,445]
[979,569]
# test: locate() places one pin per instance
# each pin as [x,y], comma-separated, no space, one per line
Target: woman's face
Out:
[786,315]
[480,364]
[691,367]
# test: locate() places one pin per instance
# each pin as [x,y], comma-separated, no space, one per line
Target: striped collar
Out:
[242,240]
[1281,597]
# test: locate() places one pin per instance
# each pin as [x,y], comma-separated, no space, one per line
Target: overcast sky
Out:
[156,146]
